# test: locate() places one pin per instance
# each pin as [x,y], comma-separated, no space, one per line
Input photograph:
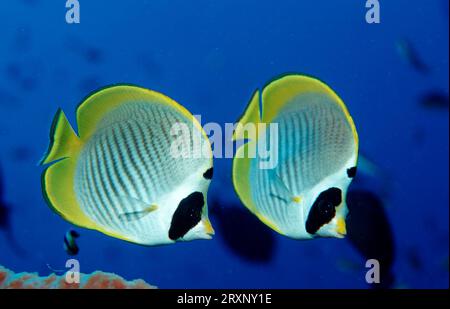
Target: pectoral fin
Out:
[137,215]
[286,193]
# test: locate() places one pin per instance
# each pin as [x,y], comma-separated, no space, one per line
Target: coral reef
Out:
[96,280]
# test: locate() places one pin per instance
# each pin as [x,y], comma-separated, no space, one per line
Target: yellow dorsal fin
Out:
[92,110]
[64,142]
[278,93]
[251,116]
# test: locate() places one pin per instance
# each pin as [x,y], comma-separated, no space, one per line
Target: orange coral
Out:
[96,280]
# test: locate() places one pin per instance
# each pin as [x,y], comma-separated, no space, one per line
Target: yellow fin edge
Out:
[64,142]
[282,90]
[250,116]
[241,183]
[58,189]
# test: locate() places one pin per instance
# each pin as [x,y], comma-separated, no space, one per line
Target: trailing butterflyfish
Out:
[70,244]
[138,168]
[302,196]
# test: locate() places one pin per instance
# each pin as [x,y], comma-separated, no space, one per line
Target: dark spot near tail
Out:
[208,174]
[323,210]
[351,172]
[187,215]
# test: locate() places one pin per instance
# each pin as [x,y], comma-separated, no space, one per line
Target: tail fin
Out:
[63,140]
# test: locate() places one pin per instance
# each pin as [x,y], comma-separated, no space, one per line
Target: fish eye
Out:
[351,172]
[187,215]
[208,174]
[323,209]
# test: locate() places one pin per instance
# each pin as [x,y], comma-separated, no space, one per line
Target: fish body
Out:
[303,196]
[70,245]
[137,156]
[409,54]
[435,99]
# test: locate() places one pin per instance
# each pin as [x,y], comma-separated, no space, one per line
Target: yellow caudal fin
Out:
[241,176]
[241,181]
[249,119]
[57,187]
[64,143]
[58,191]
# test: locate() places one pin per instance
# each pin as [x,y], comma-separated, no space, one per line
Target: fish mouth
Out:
[340,235]
[341,228]
[209,230]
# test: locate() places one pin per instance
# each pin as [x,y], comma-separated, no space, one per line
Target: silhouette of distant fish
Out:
[89,84]
[22,40]
[242,232]
[4,209]
[21,153]
[25,74]
[413,258]
[5,223]
[30,2]
[70,245]
[149,66]
[369,231]
[8,100]
[93,55]
[88,53]
[435,99]
[409,54]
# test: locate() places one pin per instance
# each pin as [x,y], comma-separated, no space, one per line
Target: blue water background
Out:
[210,56]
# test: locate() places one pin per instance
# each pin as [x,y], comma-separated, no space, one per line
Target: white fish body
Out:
[121,174]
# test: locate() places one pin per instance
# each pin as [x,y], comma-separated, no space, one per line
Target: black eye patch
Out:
[323,210]
[187,215]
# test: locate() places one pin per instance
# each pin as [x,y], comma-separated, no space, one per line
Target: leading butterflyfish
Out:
[303,195]
[138,169]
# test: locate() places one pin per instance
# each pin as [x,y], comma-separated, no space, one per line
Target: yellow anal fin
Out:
[249,120]
[64,143]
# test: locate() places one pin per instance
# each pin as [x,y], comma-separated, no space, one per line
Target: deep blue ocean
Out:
[210,56]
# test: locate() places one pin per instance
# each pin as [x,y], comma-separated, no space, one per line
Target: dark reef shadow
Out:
[369,231]
[242,232]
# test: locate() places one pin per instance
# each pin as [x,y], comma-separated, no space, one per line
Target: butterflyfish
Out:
[302,196]
[138,168]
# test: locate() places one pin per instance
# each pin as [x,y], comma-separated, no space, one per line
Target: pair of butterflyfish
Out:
[118,174]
